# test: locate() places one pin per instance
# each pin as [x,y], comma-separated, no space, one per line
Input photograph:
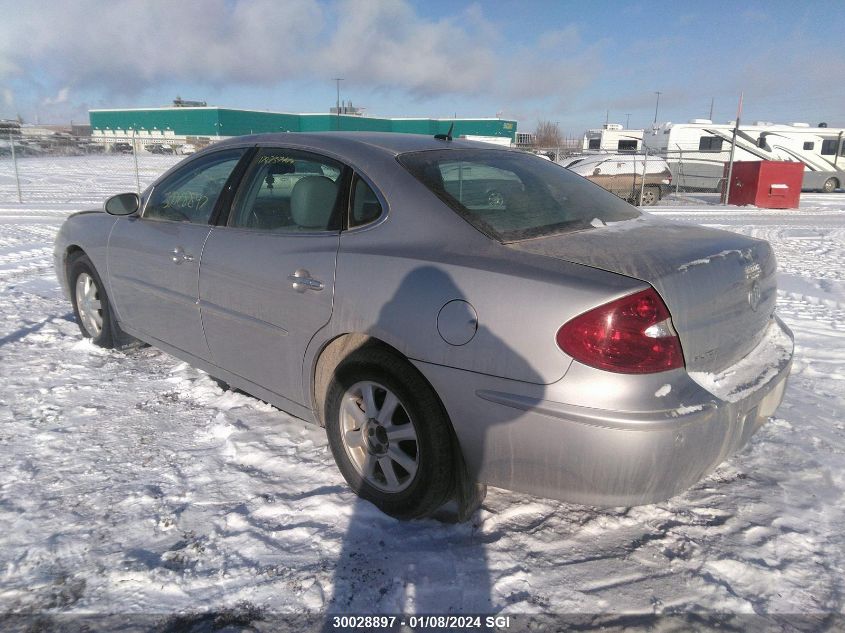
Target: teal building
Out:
[181,123]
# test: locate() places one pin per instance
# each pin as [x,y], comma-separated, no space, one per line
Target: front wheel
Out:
[830,185]
[90,302]
[389,434]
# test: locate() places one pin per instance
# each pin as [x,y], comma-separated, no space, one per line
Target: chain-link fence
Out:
[63,168]
[69,169]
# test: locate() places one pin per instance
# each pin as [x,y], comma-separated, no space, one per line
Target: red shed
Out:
[766,183]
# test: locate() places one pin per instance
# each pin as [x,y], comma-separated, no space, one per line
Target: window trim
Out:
[231,182]
[342,202]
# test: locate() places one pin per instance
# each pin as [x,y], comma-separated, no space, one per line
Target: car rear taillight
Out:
[632,335]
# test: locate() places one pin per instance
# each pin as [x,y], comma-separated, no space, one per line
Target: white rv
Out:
[614,138]
[697,151]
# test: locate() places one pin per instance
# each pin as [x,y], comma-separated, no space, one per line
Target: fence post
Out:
[135,154]
[642,182]
[679,171]
[15,163]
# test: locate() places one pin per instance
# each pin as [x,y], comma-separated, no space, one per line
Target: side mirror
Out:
[123,204]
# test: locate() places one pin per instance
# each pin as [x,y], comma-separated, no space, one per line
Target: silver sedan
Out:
[455,314]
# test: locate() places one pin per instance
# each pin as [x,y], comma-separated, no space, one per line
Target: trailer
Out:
[697,151]
[612,138]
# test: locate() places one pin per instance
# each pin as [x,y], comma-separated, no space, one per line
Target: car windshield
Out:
[513,196]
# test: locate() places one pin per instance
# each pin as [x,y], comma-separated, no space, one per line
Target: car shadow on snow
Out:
[25,331]
[423,566]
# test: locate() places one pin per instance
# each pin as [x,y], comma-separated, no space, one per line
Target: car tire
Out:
[389,434]
[91,305]
[830,185]
[651,196]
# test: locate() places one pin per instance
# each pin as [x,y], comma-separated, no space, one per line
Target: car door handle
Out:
[179,256]
[302,281]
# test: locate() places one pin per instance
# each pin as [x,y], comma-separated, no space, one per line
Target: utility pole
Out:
[627,120]
[712,99]
[726,196]
[606,117]
[337,108]
[656,105]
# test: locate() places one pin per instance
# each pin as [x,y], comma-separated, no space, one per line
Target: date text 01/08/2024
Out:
[421,622]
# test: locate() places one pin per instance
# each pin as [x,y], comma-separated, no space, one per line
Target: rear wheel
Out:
[90,302]
[389,434]
[830,185]
[651,195]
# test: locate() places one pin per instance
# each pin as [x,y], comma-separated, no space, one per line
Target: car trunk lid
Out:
[720,287]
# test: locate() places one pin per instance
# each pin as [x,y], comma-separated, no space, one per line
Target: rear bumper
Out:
[533,439]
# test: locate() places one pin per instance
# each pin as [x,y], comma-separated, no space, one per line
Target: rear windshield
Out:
[512,196]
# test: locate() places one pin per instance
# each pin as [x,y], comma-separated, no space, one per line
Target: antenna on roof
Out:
[448,135]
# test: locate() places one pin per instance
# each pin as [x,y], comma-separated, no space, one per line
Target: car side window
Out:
[288,191]
[190,193]
[365,206]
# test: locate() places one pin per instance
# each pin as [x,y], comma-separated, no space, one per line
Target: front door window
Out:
[189,194]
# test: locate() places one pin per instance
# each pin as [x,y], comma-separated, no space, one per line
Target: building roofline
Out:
[351,116]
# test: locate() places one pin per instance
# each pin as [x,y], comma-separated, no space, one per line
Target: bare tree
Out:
[547,134]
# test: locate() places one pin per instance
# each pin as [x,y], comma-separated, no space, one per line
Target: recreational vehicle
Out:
[697,151]
[612,137]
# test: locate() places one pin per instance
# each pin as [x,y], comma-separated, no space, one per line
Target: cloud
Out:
[130,44]
[126,47]
[558,40]
[386,44]
[61,97]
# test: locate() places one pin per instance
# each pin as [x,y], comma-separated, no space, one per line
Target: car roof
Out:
[388,142]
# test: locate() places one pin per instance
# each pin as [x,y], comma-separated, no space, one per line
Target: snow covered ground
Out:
[133,483]
[79,179]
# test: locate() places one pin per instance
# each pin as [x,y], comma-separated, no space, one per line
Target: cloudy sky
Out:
[564,61]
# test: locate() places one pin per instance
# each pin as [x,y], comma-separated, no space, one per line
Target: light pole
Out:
[656,105]
[627,120]
[337,105]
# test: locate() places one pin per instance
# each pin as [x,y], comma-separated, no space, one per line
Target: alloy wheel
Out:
[89,305]
[379,436]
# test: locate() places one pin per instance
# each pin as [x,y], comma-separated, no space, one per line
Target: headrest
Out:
[312,202]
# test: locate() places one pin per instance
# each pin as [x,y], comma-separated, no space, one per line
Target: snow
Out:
[80,179]
[706,260]
[132,483]
[752,372]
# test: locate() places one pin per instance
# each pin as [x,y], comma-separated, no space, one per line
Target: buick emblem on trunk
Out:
[754,296]
[753,271]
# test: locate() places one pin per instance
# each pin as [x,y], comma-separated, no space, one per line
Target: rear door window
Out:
[289,191]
